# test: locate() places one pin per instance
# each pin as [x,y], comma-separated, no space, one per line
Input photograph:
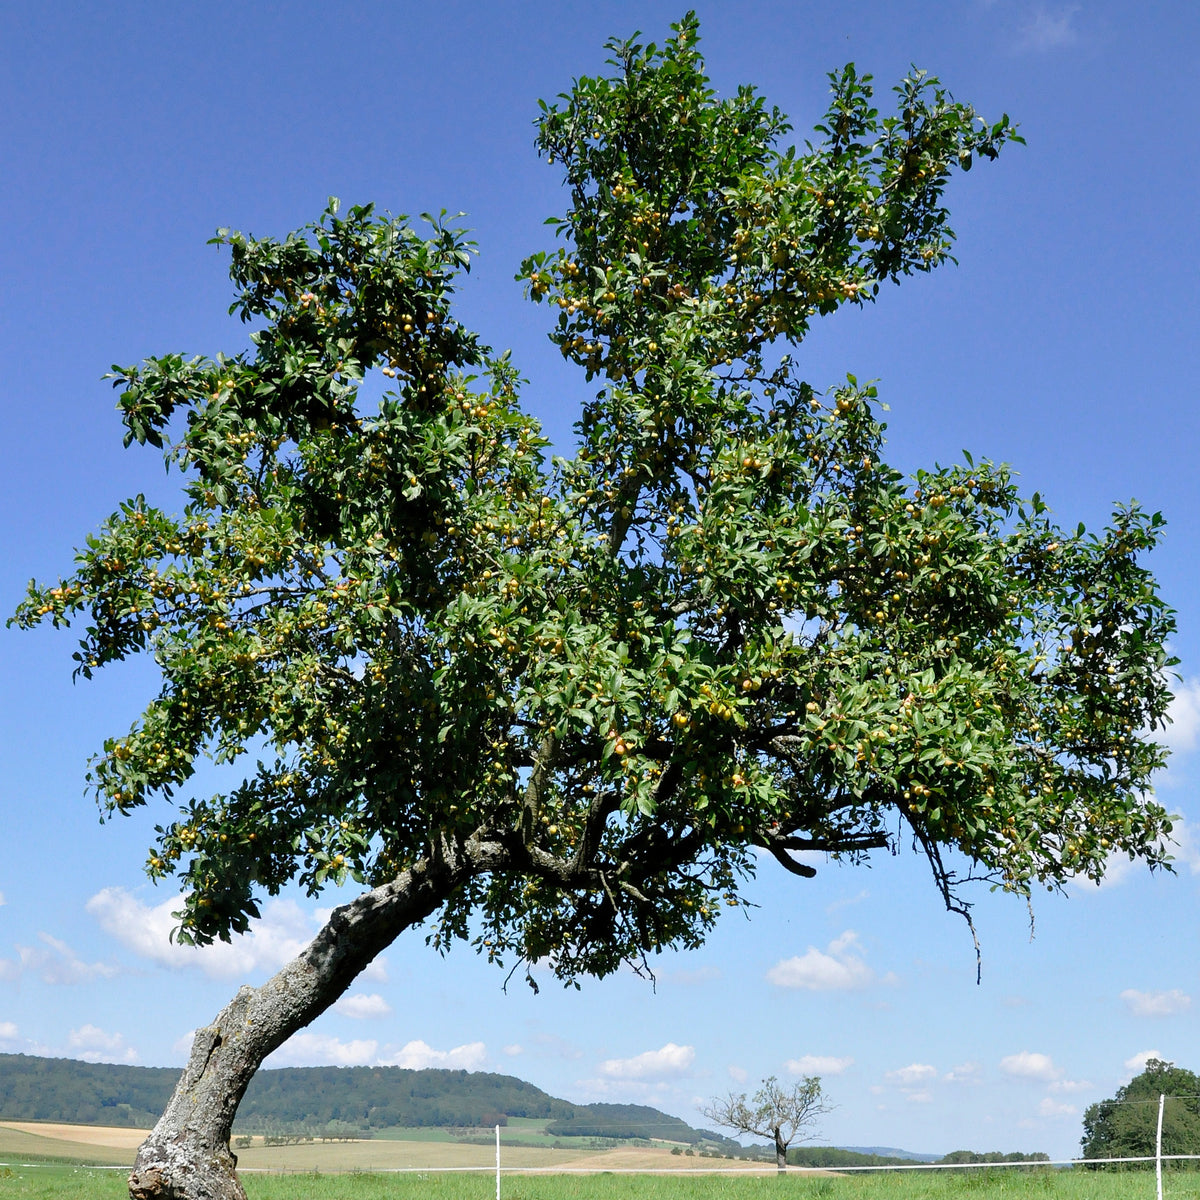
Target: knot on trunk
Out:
[147,1184]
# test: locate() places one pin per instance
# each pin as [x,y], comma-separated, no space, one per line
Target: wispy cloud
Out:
[1184,712]
[693,978]
[54,962]
[670,1060]
[8,1031]
[846,902]
[1062,1086]
[1156,1004]
[968,1072]
[818,1064]
[1184,846]
[1136,1063]
[276,938]
[840,967]
[657,1092]
[419,1055]
[913,1075]
[93,1044]
[362,1006]
[1055,1108]
[1049,29]
[320,1049]
[1028,1064]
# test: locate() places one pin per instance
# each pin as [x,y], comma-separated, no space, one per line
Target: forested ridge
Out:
[370,1098]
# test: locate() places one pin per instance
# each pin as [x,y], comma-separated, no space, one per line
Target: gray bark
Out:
[780,1152]
[187,1155]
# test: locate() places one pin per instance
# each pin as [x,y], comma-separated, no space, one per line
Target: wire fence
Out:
[752,1167]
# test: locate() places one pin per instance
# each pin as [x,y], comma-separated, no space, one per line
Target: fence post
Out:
[1157,1148]
[498,1163]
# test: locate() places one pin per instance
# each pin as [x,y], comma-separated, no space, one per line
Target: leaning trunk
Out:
[187,1156]
[780,1153]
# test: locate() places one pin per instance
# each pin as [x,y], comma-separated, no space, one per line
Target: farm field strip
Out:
[108,1145]
[66,1183]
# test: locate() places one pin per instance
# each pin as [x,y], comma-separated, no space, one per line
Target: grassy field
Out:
[73,1183]
[343,1171]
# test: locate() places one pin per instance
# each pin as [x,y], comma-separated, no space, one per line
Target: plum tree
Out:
[557,708]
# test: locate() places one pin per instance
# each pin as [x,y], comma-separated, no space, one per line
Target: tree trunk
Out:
[780,1153]
[187,1156]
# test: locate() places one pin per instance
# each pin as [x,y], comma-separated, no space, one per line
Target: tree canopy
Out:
[1126,1125]
[721,625]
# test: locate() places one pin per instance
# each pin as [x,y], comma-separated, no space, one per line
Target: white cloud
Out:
[1184,712]
[968,1072]
[418,1055]
[1136,1064]
[320,1049]
[376,970]
[93,1044]
[182,1046]
[1071,1085]
[839,968]
[54,962]
[1052,1108]
[818,1064]
[653,1064]
[362,1005]
[655,1092]
[1156,1004]
[1183,845]
[513,1050]
[8,1031]
[276,938]
[3,902]
[1049,29]
[739,1074]
[912,1075]
[919,1098]
[1030,1065]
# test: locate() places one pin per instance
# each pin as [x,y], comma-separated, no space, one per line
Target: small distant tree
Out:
[560,709]
[1125,1126]
[773,1112]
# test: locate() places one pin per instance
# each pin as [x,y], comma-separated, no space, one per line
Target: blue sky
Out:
[1062,343]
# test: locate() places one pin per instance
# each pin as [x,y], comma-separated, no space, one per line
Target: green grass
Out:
[909,1185]
[80,1183]
[62,1183]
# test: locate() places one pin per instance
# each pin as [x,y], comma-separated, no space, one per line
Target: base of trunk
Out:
[179,1169]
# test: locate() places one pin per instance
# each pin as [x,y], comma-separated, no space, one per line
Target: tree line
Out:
[303,1099]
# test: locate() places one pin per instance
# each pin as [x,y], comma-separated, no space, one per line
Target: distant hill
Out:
[373,1099]
[294,1098]
[891,1152]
